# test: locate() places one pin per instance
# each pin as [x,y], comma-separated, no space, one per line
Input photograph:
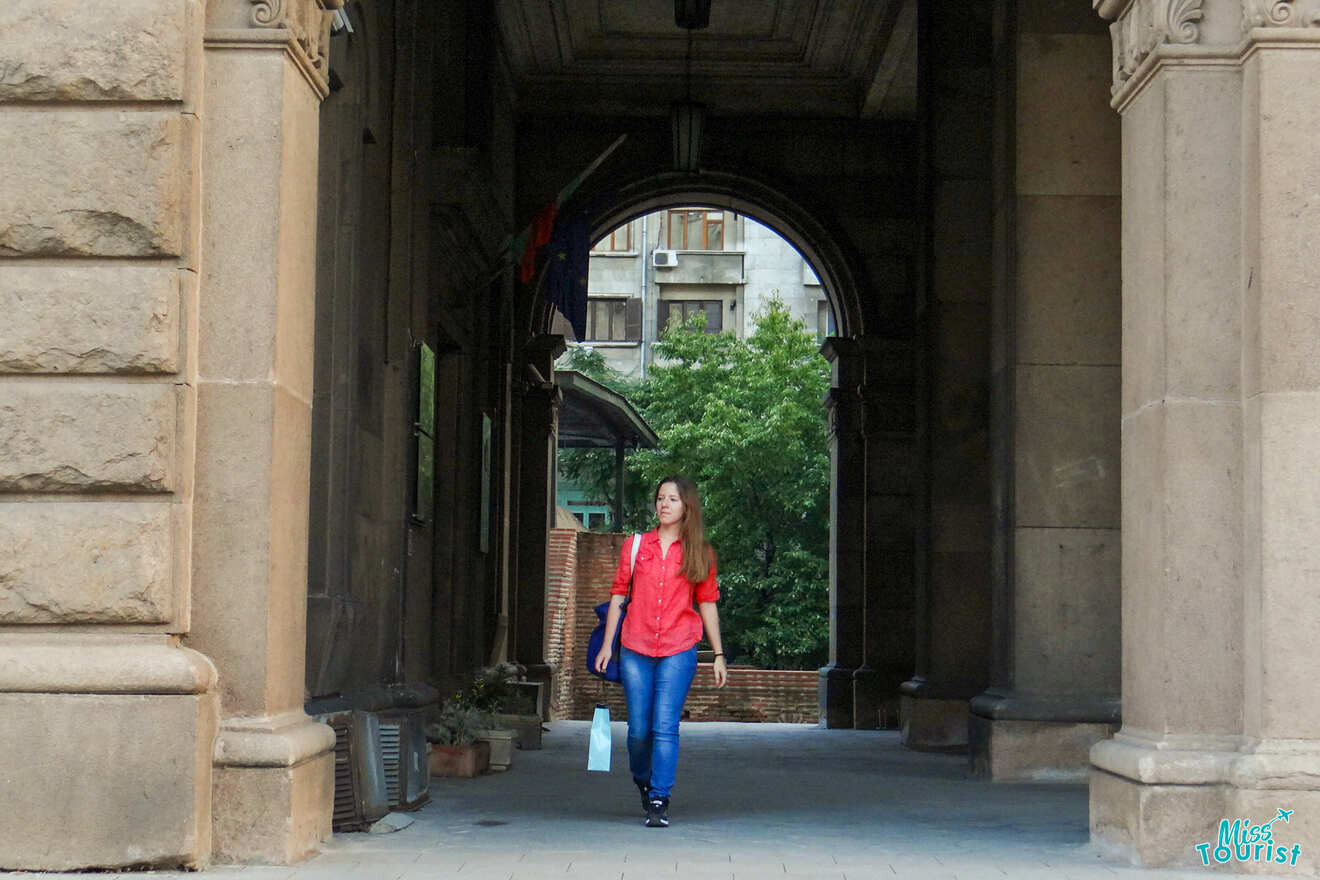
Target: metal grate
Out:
[346,812]
[390,732]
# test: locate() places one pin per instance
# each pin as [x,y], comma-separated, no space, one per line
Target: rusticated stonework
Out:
[309,20]
[1145,25]
[1280,13]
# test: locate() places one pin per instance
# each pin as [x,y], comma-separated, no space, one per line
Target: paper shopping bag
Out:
[598,757]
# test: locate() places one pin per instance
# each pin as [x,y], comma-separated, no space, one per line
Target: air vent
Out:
[360,788]
[404,752]
[664,259]
[389,753]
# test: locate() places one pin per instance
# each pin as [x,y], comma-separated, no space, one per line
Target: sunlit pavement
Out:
[752,801]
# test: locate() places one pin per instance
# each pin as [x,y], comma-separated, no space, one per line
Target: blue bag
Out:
[597,638]
[598,755]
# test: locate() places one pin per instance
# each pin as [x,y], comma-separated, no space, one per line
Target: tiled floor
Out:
[752,801]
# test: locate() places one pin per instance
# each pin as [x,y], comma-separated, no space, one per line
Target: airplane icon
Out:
[1284,814]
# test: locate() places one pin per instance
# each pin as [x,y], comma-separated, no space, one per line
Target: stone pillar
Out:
[1057,292]
[265,72]
[1279,764]
[847,530]
[953,596]
[1220,404]
[890,405]
[538,433]
[106,723]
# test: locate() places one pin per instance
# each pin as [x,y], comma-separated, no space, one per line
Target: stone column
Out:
[106,723]
[1220,406]
[953,596]
[890,406]
[265,72]
[847,530]
[538,433]
[1056,401]
[1279,764]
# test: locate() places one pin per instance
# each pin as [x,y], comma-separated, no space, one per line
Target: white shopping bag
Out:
[598,757]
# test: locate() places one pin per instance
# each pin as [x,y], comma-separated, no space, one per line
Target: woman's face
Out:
[668,505]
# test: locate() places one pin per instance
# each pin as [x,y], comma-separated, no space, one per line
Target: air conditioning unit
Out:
[404,751]
[663,259]
[360,786]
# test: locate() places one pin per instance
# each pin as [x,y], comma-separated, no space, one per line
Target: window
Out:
[618,240]
[677,311]
[614,319]
[696,230]
[824,321]
[595,520]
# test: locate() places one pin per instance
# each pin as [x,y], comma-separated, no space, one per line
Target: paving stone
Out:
[754,802]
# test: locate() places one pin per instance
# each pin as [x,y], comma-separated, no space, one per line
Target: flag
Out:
[566,278]
[538,236]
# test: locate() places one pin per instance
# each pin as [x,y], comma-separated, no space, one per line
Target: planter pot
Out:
[461,761]
[527,727]
[501,747]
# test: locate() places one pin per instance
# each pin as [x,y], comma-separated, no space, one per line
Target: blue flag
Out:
[566,278]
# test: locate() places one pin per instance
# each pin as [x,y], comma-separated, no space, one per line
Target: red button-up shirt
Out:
[661,620]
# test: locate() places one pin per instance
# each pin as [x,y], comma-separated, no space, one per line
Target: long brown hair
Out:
[698,556]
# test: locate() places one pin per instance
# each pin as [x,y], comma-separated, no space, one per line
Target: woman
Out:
[658,645]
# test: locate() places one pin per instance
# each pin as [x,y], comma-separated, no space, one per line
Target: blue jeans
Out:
[655,688]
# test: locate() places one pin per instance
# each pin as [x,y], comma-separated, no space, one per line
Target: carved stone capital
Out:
[1146,24]
[1280,13]
[308,21]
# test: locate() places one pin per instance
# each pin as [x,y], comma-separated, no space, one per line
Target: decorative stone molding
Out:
[1280,13]
[1146,24]
[307,20]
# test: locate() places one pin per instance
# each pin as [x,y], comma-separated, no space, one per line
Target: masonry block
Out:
[76,52]
[111,318]
[88,438]
[72,763]
[108,562]
[88,183]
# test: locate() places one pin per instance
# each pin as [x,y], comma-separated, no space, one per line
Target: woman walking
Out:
[658,646]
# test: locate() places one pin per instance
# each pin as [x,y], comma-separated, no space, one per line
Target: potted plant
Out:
[496,689]
[456,747]
[518,713]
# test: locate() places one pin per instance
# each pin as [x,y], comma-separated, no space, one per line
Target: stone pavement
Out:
[752,801]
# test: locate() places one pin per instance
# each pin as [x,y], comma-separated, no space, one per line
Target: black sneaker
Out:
[657,813]
[645,790]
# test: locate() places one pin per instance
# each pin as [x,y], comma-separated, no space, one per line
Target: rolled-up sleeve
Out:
[708,590]
[623,573]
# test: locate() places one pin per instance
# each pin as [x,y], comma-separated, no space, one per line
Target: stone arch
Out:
[846,682]
[838,269]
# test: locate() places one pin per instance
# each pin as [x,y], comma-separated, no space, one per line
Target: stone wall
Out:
[99,269]
[582,566]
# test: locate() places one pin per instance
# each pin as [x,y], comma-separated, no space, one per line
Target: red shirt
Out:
[661,621]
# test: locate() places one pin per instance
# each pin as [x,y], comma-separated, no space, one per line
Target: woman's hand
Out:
[721,672]
[603,658]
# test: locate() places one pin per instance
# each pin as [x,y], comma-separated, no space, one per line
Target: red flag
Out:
[542,225]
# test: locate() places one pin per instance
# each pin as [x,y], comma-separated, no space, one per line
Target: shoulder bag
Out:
[597,639]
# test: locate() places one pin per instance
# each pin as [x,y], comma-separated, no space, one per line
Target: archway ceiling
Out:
[839,58]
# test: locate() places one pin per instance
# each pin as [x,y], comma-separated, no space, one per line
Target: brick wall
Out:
[560,627]
[582,566]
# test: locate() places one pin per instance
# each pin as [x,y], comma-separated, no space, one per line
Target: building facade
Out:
[1073,408]
[666,265]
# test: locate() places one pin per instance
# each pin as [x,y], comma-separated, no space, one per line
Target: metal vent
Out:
[359,778]
[390,732]
[345,798]
[403,750]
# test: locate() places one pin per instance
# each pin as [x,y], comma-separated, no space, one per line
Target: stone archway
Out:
[869,654]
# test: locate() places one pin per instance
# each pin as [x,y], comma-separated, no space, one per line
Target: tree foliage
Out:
[744,419]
